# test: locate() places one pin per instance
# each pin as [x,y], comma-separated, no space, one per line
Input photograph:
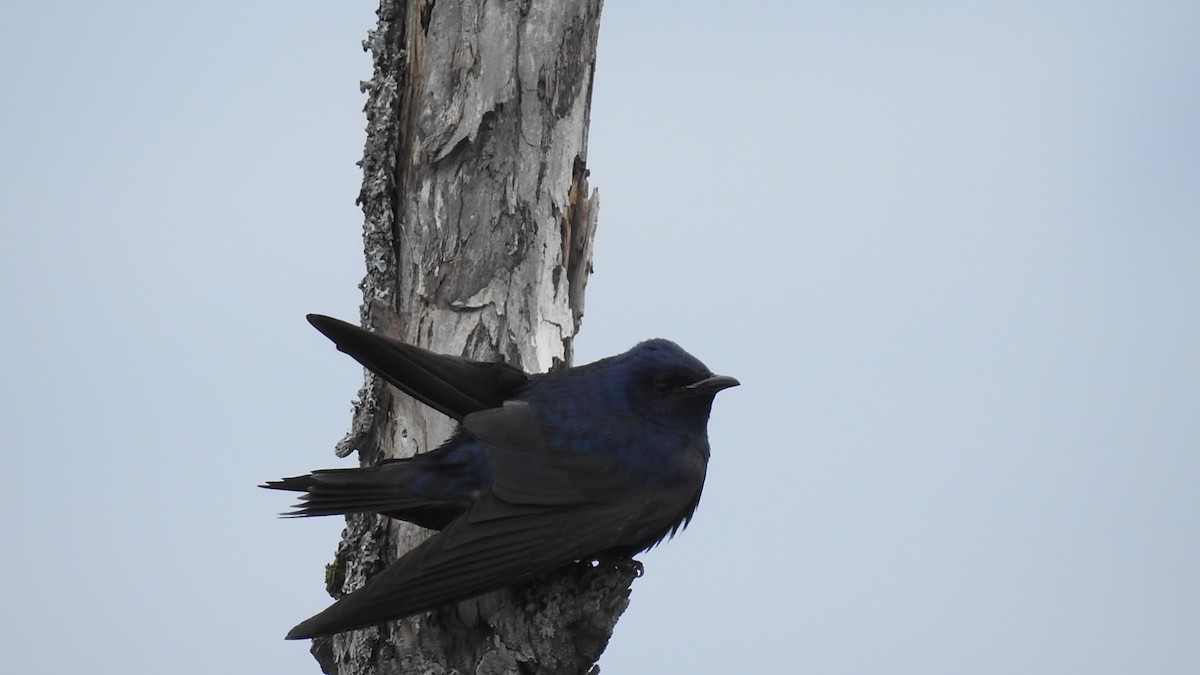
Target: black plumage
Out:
[603,459]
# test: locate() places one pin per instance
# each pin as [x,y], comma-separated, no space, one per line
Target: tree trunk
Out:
[478,237]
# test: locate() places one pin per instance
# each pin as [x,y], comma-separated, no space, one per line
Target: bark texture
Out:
[478,236]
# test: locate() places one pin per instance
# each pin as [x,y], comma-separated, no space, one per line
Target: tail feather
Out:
[386,490]
[340,491]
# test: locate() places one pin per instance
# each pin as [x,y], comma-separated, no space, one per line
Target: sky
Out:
[951,250]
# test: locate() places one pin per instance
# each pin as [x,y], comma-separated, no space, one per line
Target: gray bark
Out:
[478,234]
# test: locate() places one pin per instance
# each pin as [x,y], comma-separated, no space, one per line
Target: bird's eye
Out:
[665,382]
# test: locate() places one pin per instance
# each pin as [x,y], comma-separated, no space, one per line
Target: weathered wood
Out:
[478,235]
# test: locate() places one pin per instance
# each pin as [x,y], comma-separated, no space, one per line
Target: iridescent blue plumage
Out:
[603,459]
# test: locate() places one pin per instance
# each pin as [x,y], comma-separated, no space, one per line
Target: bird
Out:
[606,459]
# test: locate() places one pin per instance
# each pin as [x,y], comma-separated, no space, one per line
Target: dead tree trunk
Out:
[478,236]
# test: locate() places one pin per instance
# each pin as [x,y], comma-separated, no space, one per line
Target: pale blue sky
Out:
[952,250]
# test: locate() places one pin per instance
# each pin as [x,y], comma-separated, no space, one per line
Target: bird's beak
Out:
[712,383]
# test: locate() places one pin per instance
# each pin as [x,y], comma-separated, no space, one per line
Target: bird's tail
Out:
[332,492]
[403,489]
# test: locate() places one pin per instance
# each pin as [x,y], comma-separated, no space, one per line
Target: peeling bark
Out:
[478,235]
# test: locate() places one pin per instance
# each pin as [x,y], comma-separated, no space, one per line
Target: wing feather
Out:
[472,556]
[532,464]
[453,385]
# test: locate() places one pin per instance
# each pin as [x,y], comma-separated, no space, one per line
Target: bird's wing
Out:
[557,496]
[653,477]
[453,385]
[496,545]
[534,462]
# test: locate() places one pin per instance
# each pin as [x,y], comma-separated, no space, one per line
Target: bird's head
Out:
[665,382]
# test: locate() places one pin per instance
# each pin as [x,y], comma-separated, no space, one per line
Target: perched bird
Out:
[603,459]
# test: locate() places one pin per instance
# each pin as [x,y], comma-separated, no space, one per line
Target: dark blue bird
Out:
[603,459]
